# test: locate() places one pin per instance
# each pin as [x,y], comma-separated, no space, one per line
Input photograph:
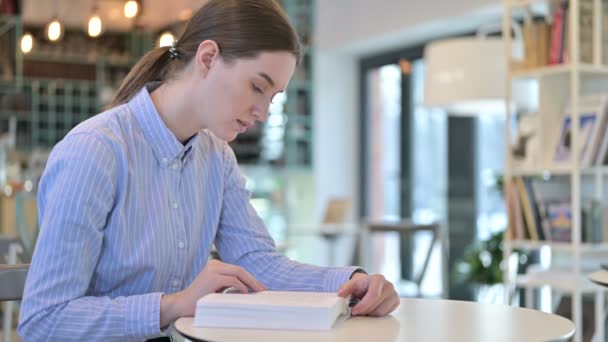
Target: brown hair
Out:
[241,29]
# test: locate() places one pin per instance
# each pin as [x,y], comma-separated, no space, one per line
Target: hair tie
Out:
[173,52]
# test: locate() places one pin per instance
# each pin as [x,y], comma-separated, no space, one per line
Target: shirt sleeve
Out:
[243,239]
[75,198]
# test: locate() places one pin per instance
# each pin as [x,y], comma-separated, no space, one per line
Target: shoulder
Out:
[104,131]
[101,137]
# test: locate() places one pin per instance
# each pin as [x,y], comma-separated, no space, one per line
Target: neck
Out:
[172,105]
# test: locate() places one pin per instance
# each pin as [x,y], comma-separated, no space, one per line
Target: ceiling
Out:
[155,14]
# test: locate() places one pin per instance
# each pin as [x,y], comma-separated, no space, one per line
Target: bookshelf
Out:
[561,85]
[60,85]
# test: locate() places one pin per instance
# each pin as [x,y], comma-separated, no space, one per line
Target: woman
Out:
[132,200]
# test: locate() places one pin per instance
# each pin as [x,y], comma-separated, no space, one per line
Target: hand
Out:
[377,295]
[215,277]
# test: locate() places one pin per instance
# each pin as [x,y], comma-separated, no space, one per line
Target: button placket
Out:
[180,249]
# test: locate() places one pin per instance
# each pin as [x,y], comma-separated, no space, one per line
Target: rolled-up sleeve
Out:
[243,239]
[75,198]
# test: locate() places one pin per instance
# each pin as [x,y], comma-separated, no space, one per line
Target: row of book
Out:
[546,41]
[532,217]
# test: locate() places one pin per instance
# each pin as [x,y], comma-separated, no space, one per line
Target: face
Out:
[237,94]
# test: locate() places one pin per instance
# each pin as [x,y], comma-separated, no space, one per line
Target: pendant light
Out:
[166,39]
[27,43]
[54,29]
[131,9]
[95,26]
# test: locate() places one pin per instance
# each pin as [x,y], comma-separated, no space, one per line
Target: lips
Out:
[243,125]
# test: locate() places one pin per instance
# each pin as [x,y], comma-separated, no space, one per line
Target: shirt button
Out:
[180,244]
[175,166]
[175,283]
[165,160]
[175,205]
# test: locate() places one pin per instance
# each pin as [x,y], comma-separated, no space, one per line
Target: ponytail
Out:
[241,29]
[151,67]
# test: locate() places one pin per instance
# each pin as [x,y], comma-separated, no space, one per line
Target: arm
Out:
[242,239]
[75,198]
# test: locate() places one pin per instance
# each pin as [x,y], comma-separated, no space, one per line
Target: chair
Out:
[12,281]
[332,227]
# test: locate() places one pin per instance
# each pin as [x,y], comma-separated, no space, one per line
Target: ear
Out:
[207,55]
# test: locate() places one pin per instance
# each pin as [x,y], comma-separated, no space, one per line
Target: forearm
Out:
[93,318]
[278,272]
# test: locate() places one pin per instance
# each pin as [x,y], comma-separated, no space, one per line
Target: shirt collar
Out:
[165,145]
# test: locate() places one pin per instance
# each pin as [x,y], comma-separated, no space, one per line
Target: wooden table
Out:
[407,228]
[599,277]
[416,319]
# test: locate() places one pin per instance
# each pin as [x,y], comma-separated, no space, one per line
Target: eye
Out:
[257,89]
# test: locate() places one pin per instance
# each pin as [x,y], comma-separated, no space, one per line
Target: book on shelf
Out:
[547,41]
[529,210]
[271,310]
[559,44]
[542,211]
[536,36]
[592,128]
[560,221]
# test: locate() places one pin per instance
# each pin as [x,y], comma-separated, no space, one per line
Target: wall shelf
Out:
[560,70]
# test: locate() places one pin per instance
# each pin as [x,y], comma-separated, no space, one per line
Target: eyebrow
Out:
[267,78]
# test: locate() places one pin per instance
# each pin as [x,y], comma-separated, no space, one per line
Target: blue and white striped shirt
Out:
[128,213]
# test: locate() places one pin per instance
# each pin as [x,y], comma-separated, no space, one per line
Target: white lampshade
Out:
[466,76]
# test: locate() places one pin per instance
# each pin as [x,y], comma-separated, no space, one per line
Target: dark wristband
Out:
[359,270]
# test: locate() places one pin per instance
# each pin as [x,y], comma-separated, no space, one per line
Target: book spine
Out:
[557,36]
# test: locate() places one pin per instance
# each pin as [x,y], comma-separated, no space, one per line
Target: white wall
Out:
[347,23]
[345,31]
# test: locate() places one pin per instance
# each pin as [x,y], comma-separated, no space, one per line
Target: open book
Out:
[271,310]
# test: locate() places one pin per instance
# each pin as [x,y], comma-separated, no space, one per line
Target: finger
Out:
[356,287]
[386,307]
[371,298]
[243,276]
[225,282]
[387,289]
[347,288]
[383,297]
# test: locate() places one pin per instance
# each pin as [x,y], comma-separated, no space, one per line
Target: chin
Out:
[226,136]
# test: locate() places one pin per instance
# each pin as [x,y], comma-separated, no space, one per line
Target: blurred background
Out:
[416,138]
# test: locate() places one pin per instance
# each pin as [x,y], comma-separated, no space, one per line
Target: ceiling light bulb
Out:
[27,43]
[95,25]
[166,39]
[54,30]
[131,9]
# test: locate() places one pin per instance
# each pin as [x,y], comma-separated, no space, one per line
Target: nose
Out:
[261,112]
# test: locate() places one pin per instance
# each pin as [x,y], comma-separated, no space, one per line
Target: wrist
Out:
[358,273]
[169,309]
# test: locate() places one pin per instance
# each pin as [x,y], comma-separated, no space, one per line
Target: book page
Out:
[274,298]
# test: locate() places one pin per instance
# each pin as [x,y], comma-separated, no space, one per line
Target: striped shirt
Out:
[127,213]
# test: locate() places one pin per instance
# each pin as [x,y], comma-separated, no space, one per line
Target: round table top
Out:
[414,320]
[599,277]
